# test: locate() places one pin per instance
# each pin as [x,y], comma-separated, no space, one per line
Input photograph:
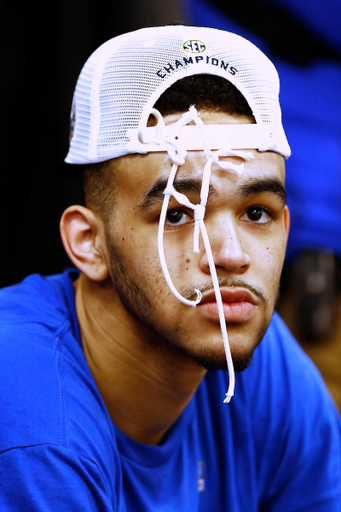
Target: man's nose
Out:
[227,248]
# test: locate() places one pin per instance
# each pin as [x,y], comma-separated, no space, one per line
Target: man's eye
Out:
[257,214]
[177,218]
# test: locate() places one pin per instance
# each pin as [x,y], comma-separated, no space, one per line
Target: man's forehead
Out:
[148,174]
[266,163]
[254,180]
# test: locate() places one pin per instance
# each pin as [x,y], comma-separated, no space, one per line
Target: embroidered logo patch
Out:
[194,46]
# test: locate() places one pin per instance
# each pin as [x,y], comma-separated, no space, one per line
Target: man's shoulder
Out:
[282,421]
[50,407]
[37,299]
[285,395]
[280,362]
[292,415]
[283,357]
[37,345]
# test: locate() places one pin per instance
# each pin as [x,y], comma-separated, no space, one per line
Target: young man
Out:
[114,376]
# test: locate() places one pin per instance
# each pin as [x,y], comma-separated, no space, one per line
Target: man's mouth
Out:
[239,304]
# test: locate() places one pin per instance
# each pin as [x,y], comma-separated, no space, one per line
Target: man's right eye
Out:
[177,218]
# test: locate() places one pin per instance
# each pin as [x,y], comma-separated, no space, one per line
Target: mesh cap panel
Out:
[123,79]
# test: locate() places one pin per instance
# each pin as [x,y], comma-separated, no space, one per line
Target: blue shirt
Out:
[275,447]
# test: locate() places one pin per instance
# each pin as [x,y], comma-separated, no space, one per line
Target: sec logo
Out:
[194,46]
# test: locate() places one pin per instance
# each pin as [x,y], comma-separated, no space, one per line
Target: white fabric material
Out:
[238,136]
[123,79]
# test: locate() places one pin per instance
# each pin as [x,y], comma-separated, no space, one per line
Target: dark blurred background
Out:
[42,49]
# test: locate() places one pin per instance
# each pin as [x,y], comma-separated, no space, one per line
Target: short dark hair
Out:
[98,188]
[206,92]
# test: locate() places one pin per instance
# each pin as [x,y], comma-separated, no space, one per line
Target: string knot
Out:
[199,212]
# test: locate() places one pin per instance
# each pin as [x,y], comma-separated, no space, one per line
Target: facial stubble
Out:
[133,295]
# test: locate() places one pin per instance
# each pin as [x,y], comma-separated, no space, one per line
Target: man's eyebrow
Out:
[254,186]
[258,185]
[155,194]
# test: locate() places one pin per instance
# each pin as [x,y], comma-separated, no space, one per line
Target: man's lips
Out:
[239,304]
[230,296]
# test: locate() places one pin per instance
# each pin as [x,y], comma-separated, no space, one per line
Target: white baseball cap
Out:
[122,80]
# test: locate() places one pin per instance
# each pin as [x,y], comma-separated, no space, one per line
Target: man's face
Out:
[247,223]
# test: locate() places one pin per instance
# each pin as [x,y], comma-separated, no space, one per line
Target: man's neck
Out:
[144,389]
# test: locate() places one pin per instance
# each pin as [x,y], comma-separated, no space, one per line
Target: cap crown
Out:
[123,78]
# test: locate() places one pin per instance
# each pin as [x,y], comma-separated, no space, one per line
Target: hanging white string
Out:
[213,271]
[177,155]
[161,250]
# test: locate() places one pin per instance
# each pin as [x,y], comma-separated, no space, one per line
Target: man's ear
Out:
[82,233]
[286,221]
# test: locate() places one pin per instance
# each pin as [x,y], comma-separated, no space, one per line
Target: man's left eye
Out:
[257,214]
[177,218]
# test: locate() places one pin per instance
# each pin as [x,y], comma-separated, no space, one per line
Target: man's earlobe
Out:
[82,233]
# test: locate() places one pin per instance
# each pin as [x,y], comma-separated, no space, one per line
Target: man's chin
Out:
[242,353]
[213,363]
